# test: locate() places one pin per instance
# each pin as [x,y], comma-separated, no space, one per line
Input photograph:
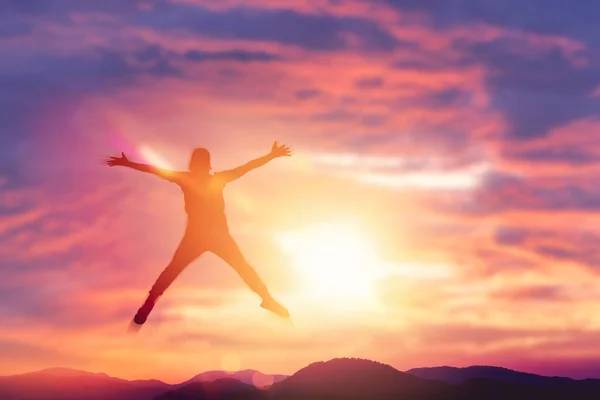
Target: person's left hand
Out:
[118,161]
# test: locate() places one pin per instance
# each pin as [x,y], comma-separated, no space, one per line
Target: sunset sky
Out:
[441,206]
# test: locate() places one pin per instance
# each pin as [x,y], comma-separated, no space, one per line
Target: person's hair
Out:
[200,160]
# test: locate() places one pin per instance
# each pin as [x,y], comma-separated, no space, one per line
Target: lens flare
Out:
[154,158]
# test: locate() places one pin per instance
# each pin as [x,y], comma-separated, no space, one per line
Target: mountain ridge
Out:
[418,371]
[338,378]
[61,383]
[458,375]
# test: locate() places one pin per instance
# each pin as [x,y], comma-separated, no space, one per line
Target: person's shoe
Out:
[144,311]
[273,306]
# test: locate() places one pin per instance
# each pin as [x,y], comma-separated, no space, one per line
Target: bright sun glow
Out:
[335,261]
[154,158]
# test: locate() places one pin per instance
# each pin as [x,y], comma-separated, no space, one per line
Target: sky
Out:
[440,208]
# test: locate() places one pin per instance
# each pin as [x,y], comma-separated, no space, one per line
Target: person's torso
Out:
[204,201]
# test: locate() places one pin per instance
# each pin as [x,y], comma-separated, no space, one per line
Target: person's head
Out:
[200,160]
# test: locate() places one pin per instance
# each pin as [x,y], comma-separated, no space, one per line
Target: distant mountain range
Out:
[248,376]
[342,378]
[69,384]
[456,376]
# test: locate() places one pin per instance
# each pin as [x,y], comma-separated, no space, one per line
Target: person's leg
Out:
[227,249]
[186,252]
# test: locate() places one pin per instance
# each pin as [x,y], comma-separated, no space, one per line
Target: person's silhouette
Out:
[207,228]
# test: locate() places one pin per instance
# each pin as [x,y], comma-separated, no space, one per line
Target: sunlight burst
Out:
[154,158]
[335,261]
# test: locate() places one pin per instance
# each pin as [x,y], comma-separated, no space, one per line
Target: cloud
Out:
[236,55]
[17,353]
[565,150]
[306,94]
[556,17]
[537,93]
[16,27]
[230,341]
[62,8]
[509,235]
[534,292]
[478,335]
[370,82]
[311,32]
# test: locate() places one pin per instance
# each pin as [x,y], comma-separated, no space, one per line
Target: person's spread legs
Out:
[228,250]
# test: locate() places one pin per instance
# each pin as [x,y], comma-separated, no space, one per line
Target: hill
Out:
[364,380]
[220,389]
[457,376]
[499,383]
[349,378]
[341,378]
[68,384]
[248,376]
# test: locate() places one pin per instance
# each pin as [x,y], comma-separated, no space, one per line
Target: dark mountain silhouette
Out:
[456,376]
[68,384]
[496,390]
[349,378]
[230,389]
[499,383]
[248,376]
[342,378]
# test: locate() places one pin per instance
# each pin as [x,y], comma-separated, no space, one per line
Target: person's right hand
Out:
[280,150]
[119,161]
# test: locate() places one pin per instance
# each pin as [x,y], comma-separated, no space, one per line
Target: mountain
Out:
[364,380]
[476,389]
[248,376]
[502,383]
[340,378]
[220,389]
[457,376]
[68,384]
[350,378]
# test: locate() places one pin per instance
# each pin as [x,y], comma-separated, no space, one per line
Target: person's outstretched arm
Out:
[123,161]
[276,151]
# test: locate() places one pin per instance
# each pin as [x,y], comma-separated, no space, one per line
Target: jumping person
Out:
[207,228]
